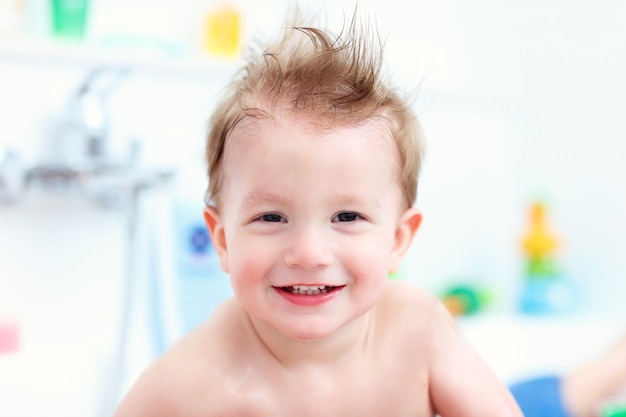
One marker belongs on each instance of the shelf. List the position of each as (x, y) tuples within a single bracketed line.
[(150, 59)]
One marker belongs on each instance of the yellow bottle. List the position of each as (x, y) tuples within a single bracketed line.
[(223, 31)]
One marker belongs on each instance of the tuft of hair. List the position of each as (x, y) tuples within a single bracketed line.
[(336, 79)]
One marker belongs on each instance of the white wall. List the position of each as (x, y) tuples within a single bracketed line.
[(528, 104)]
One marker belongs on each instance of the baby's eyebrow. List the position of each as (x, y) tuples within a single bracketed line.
[(262, 196), (257, 197), (354, 198)]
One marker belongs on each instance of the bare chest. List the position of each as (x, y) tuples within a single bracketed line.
[(395, 391)]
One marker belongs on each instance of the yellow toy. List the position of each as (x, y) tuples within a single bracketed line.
[(539, 244)]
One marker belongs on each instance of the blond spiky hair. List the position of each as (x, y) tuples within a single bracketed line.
[(337, 80)]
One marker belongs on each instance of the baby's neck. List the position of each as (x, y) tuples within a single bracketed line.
[(345, 344)]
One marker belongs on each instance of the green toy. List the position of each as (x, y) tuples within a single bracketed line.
[(614, 410), (465, 299)]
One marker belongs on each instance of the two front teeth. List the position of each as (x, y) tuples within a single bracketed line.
[(309, 289)]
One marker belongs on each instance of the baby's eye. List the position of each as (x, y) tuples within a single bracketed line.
[(346, 216), (272, 218)]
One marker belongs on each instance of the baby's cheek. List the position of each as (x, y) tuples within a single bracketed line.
[(244, 271), (249, 265), (368, 262)]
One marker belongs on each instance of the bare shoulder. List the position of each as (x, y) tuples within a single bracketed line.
[(404, 300), (460, 384), (415, 321), (402, 290), (191, 370)]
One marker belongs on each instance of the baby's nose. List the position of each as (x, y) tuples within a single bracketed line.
[(308, 248)]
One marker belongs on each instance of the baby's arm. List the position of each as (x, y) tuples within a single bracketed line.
[(461, 384), (150, 395), (586, 389), (176, 384)]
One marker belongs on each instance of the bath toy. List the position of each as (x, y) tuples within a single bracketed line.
[(539, 244), (464, 299), (545, 288)]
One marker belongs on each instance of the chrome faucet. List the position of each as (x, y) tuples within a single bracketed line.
[(77, 153), (82, 137)]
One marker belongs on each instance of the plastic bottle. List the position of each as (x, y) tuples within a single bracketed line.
[(223, 27)]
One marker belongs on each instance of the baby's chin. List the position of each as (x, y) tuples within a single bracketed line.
[(324, 329), (309, 332)]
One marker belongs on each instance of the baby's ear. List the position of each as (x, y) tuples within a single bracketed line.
[(218, 237), (407, 227)]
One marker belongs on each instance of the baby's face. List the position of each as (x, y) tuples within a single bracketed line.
[(309, 220)]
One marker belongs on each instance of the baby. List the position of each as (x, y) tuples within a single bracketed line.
[(313, 162)]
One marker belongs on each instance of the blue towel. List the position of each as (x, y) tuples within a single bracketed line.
[(540, 397)]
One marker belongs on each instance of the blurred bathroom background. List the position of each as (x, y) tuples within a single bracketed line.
[(104, 258)]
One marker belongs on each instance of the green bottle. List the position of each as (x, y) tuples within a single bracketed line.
[(69, 18)]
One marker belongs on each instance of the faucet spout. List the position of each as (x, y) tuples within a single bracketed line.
[(86, 122)]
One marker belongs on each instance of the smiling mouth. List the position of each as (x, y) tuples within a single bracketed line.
[(309, 289)]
